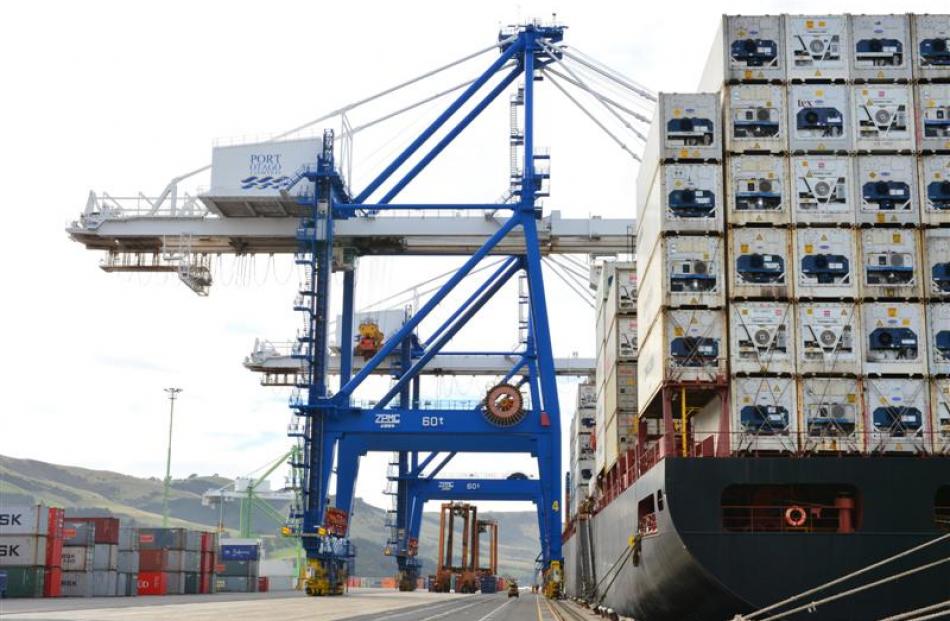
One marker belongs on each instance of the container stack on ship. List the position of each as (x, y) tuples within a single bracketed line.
[(793, 408)]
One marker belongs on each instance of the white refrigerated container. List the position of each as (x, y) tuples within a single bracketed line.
[(895, 339), (683, 198), (940, 406), (829, 338), (883, 117), (764, 414), (826, 263), (759, 263), (886, 189), (832, 415), (933, 117), (746, 48), (816, 47), (819, 118), (935, 190), (938, 338), (755, 118), (897, 415), (891, 263), (881, 47), (683, 271), (762, 337), (822, 190), (757, 190), (931, 46), (936, 264)]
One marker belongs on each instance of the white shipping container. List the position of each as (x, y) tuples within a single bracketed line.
[(76, 584), (940, 402), (104, 583), (938, 335), (760, 263), (883, 117), (764, 414), (825, 260), (832, 413), (247, 179), (680, 346), (819, 118), (600, 453), (619, 393), (891, 263), (22, 550), (822, 190), (586, 396), (78, 558), (755, 118), (895, 340), (683, 271), (886, 189), (931, 46), (622, 290), (897, 412), (933, 117), (829, 338), (816, 47), (746, 48), (757, 190), (881, 47), (24, 519), (621, 343), (683, 198), (936, 268), (762, 337), (935, 189)]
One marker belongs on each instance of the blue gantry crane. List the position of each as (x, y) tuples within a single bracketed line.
[(506, 421)]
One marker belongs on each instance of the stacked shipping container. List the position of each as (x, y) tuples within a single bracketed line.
[(582, 446), (31, 548), (169, 561), (237, 567)]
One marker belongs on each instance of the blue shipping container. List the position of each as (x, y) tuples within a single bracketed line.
[(239, 553)]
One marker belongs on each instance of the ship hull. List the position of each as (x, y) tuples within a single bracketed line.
[(691, 568)]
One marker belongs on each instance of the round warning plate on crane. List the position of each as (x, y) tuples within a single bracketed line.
[(504, 405)]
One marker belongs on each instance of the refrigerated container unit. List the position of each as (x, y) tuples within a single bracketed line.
[(762, 338), (883, 117), (933, 118), (895, 341), (881, 48), (622, 285), (897, 414), (822, 190), (621, 344), (747, 48), (759, 263), (684, 198), (619, 392), (940, 404), (931, 56), (935, 190), (757, 190), (686, 345), (819, 118), (825, 263), (755, 118), (936, 264), (891, 264), (817, 48), (886, 190), (829, 338), (938, 338), (764, 414), (832, 415), (682, 271)]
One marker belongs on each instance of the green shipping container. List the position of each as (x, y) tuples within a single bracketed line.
[(192, 582), (24, 581)]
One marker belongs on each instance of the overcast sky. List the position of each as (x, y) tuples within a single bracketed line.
[(121, 96)]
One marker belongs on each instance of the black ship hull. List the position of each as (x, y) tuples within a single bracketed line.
[(695, 567)]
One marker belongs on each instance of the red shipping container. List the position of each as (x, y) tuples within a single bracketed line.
[(218, 568), (153, 583), (55, 528), (153, 560), (52, 582), (207, 542), (263, 583), (54, 542), (107, 528), (204, 584), (207, 562)]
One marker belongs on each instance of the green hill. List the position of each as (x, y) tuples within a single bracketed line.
[(138, 500)]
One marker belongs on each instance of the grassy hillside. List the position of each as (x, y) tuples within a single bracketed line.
[(25, 481)]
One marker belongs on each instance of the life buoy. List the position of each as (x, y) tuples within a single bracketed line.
[(795, 516)]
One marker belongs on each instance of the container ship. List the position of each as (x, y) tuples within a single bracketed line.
[(771, 406)]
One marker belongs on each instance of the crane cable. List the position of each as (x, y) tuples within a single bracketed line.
[(864, 570), (570, 285), (607, 99), (607, 72), (593, 118)]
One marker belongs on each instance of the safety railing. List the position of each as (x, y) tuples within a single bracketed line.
[(647, 524), (781, 518)]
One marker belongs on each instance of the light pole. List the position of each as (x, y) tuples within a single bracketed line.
[(172, 395)]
